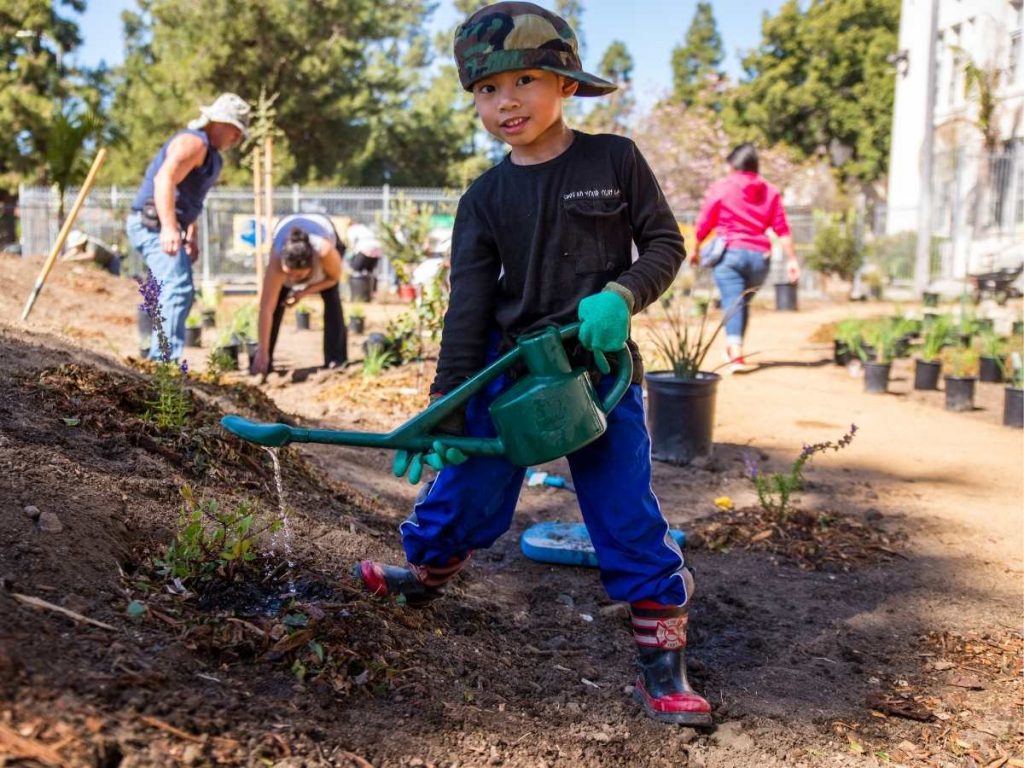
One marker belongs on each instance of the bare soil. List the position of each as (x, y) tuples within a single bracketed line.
[(880, 626)]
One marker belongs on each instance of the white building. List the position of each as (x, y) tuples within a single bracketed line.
[(977, 192)]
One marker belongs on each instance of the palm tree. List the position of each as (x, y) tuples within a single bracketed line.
[(68, 140)]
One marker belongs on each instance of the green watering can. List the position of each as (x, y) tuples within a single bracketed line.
[(551, 411)]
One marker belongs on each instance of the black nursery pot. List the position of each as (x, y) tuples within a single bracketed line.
[(194, 336), (357, 324), (1013, 407), (841, 353), (926, 374), (230, 354), (989, 370), (209, 318), (930, 299), (302, 321), (960, 393), (876, 377), (681, 415), (251, 348), (360, 287), (785, 297)]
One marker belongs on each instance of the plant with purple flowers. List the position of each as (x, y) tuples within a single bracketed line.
[(172, 404), (775, 489)]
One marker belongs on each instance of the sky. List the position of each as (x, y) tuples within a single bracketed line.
[(649, 28)]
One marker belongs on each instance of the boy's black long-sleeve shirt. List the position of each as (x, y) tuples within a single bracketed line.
[(531, 241)]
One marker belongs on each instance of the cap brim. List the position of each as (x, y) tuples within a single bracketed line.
[(590, 85)]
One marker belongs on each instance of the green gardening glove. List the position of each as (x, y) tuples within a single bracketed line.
[(439, 455), (604, 325)]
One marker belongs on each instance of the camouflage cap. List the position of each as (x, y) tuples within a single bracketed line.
[(517, 35)]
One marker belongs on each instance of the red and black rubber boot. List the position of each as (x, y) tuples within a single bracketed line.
[(662, 688), (417, 584)]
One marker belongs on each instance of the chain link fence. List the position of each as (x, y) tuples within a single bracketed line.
[(226, 225)]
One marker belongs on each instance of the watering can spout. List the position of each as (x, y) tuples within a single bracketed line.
[(270, 435)]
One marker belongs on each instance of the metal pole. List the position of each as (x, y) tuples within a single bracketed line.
[(268, 195), (257, 219), (922, 256), (206, 244), (295, 198), (83, 193)]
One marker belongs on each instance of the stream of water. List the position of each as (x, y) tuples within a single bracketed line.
[(285, 533)]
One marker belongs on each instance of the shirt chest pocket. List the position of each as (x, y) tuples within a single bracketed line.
[(597, 235)]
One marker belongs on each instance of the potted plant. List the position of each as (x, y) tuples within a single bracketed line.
[(928, 365), (847, 340), (960, 382), (681, 400), (244, 327), (1013, 397), (873, 280), (356, 320), (225, 352), (193, 330), (1018, 328), (883, 336), (302, 315), (931, 299), (405, 236), (992, 351), (209, 317)]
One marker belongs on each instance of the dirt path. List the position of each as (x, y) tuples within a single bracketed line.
[(908, 659)]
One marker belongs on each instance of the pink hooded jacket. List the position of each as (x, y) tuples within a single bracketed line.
[(742, 207)]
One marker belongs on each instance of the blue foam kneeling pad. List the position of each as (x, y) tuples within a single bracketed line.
[(567, 543)]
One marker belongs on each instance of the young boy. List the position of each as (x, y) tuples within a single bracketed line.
[(542, 238)]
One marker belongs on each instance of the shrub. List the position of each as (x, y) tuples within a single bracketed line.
[(837, 249)]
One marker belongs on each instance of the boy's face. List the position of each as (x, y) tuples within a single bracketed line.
[(522, 107)]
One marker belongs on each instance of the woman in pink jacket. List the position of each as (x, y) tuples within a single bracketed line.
[(742, 207)]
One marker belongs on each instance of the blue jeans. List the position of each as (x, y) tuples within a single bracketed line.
[(468, 506), (176, 292), (738, 271)]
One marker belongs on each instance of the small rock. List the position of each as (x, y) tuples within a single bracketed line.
[(49, 523), (192, 755), (615, 610), (873, 514), (32, 512)]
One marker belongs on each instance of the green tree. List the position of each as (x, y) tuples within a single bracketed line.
[(349, 75), (34, 41), (611, 113), (696, 65), (819, 81)]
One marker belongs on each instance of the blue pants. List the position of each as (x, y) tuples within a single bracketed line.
[(468, 506), (176, 292), (738, 271)]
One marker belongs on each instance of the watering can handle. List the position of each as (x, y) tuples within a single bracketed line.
[(624, 376)]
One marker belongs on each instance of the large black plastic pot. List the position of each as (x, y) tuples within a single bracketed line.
[(1013, 407), (145, 326), (356, 324), (209, 318), (360, 287), (194, 336), (931, 299), (989, 370), (302, 321), (785, 297), (876, 377), (681, 415), (960, 392), (251, 350), (926, 374)]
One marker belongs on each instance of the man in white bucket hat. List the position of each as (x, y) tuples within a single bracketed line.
[(162, 225)]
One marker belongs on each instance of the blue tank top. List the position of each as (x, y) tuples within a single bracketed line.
[(191, 192)]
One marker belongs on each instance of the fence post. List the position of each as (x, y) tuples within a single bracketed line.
[(206, 244), (386, 202), (295, 198)]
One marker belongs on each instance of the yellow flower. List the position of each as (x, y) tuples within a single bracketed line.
[(724, 503)]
